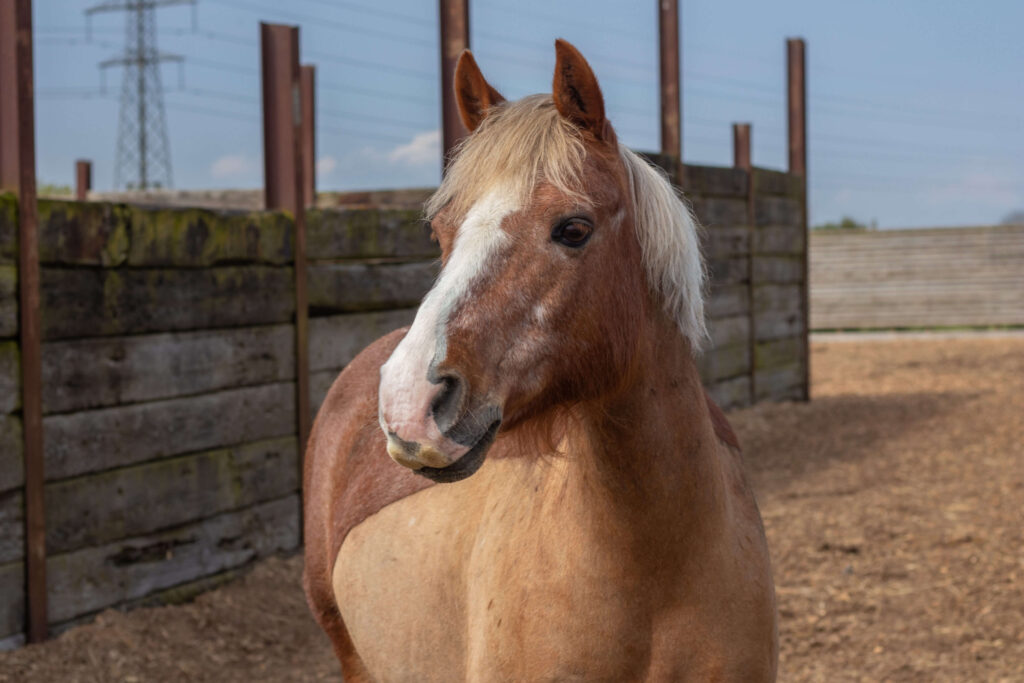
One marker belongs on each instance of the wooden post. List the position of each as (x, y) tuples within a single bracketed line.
[(454, 22), (308, 94), (83, 179), (796, 86), (669, 91), (741, 158), (18, 172), (283, 165)]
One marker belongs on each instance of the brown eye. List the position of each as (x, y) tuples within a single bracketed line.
[(572, 233)]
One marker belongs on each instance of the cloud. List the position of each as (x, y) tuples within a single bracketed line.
[(232, 166), (424, 148), (326, 164)]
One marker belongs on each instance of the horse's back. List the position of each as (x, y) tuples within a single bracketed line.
[(348, 476)]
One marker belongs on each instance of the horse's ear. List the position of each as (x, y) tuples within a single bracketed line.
[(576, 93), (474, 94)]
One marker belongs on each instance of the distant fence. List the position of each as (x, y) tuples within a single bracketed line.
[(168, 370), (917, 278)]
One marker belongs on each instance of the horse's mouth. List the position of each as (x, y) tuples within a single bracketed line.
[(467, 464)]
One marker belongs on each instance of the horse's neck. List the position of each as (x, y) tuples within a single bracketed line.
[(650, 454)]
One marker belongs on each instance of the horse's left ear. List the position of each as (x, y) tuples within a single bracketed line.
[(576, 92), (473, 93)]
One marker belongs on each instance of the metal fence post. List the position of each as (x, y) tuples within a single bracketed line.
[(18, 172), (796, 86), (83, 179), (454, 23), (307, 87), (283, 183), (741, 159), (670, 86)]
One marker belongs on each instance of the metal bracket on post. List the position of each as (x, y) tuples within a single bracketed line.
[(18, 172), (796, 87), (283, 165), (454, 23)]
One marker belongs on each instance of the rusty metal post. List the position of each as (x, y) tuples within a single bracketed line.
[(18, 172), (454, 22), (283, 184), (669, 91), (741, 146), (83, 179), (741, 159), (307, 87), (796, 86)]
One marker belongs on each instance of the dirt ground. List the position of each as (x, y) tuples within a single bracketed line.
[(894, 504)]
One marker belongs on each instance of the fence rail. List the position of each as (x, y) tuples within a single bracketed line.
[(945, 277)]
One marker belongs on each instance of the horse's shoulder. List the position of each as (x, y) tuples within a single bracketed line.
[(723, 430), (347, 453)]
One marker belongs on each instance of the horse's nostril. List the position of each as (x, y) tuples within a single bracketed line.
[(447, 405)]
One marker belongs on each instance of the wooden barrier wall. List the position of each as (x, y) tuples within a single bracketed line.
[(942, 277), (169, 371)]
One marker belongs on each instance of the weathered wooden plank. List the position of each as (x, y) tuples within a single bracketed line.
[(319, 384), (410, 198), (729, 331), (715, 181), (780, 239), (134, 501), (777, 324), (338, 287), (726, 242), (92, 373), (12, 466), (8, 301), (335, 340), (12, 526), (201, 237), (10, 377), (713, 212), (778, 269), (731, 393), (12, 604), (368, 233), (82, 233), (777, 211), (8, 228), (776, 298), (85, 302), (727, 300), (12, 642), (87, 580), (728, 271), (724, 362), (777, 353), (779, 384), (777, 182), (96, 440)]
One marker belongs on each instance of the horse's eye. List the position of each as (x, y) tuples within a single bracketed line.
[(572, 233)]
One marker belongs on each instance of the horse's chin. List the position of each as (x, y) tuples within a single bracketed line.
[(467, 464)]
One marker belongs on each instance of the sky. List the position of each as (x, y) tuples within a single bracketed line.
[(915, 107)]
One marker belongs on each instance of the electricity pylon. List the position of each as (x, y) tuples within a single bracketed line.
[(143, 157)]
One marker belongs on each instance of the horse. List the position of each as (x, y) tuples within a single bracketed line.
[(562, 498)]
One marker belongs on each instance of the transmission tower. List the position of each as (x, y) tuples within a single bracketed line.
[(143, 157)]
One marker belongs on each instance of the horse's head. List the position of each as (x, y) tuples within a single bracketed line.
[(556, 245)]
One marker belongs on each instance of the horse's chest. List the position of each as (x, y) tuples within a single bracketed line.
[(451, 580)]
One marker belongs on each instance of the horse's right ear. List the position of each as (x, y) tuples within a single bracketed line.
[(474, 94)]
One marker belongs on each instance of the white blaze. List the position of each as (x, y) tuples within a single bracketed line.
[(405, 391)]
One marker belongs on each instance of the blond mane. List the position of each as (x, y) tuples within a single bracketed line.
[(520, 143)]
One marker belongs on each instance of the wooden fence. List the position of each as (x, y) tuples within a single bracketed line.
[(917, 278), (168, 370)]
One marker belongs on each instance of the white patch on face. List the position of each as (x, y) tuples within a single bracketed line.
[(477, 241)]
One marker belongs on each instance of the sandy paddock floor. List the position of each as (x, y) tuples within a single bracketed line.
[(894, 504)]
